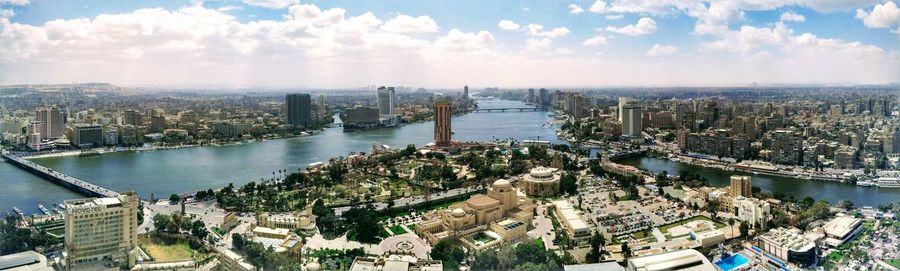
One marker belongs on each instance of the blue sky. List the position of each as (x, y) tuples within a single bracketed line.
[(267, 43)]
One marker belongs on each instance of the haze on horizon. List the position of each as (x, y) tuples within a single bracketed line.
[(328, 44)]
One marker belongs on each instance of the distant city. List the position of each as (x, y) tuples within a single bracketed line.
[(800, 178)]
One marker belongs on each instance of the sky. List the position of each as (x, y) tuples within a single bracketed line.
[(448, 44)]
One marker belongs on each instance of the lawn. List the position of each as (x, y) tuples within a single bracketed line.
[(397, 230), (893, 262), (411, 227), (162, 252)]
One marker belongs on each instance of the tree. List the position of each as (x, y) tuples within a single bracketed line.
[(597, 242), (174, 198), (486, 260), (161, 222), (626, 250), (450, 252), (744, 229), (237, 241), (198, 229), (568, 184)]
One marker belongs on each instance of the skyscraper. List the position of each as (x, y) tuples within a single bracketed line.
[(622, 102), (442, 123), (52, 122), (530, 96), (544, 98), (297, 107), (466, 92), (740, 186), (132, 117), (387, 100), (631, 119)]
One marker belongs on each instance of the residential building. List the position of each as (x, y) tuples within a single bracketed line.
[(298, 110), (740, 186), (442, 116)]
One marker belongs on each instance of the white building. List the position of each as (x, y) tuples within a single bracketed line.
[(687, 260), (841, 229), (568, 217), (754, 211), (790, 245), (631, 120), (394, 262)]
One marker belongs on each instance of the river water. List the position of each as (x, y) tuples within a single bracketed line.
[(799, 188), (190, 169)]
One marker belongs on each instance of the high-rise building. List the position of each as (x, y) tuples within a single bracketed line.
[(321, 107), (622, 102), (387, 100), (297, 108), (33, 130), (87, 136), (544, 98), (740, 186), (132, 117), (442, 117), (98, 229), (531, 96), (51, 122), (631, 120), (466, 92), (157, 123)]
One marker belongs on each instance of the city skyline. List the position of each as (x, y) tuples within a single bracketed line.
[(315, 44)]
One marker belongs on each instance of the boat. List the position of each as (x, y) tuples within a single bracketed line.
[(89, 153), (888, 182), (61, 206), (18, 211), (57, 210), (865, 183), (43, 209)]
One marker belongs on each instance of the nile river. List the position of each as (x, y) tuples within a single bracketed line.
[(190, 169), (799, 188)]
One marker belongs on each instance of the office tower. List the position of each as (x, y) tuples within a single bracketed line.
[(740, 186), (132, 117), (387, 100), (622, 102), (87, 136), (99, 229), (530, 96), (297, 110), (442, 123), (544, 98), (34, 135), (157, 123), (465, 92), (631, 119), (321, 107), (52, 122)]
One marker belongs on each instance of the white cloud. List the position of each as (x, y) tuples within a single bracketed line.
[(538, 44), (229, 8), (458, 41), (643, 26), (661, 50), (564, 51), (537, 30), (598, 7), (575, 9), (7, 13), (272, 4), (595, 41), (614, 16), (790, 16), (882, 16), (508, 25), (409, 24), (14, 2)]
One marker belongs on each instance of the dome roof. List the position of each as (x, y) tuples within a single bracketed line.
[(502, 183), (313, 266), (458, 212)]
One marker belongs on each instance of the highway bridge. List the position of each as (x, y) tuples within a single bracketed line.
[(72, 183), (511, 109)]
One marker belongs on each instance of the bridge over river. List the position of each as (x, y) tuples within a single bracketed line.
[(72, 183)]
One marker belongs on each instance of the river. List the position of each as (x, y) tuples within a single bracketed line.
[(799, 188), (190, 169)]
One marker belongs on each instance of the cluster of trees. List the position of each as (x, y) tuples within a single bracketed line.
[(14, 239), (441, 174), (178, 223), (597, 242), (259, 197), (359, 222), (263, 257), (691, 179), (526, 256), (568, 184), (204, 195), (450, 253)]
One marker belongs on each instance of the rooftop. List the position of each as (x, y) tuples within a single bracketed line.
[(681, 260)]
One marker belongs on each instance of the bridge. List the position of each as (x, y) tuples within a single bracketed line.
[(72, 183), (512, 109)]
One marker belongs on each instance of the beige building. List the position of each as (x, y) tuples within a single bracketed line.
[(740, 186), (388, 262), (541, 181), (230, 261), (752, 210), (477, 213), (101, 229), (303, 220), (569, 219), (686, 260)]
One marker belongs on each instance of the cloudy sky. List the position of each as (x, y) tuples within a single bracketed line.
[(335, 44)]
